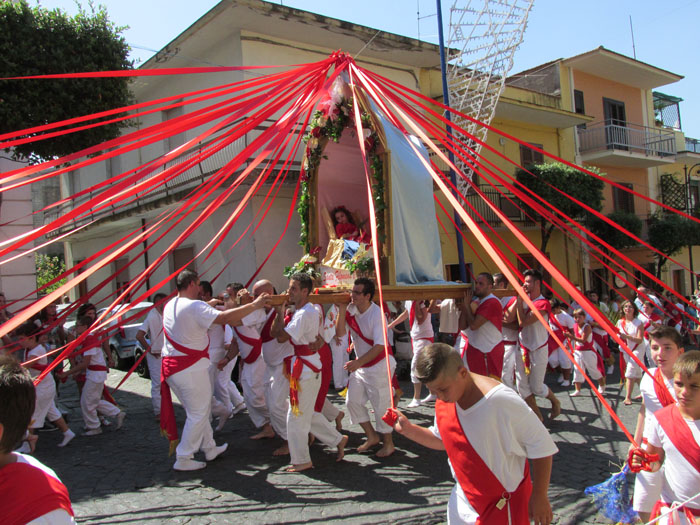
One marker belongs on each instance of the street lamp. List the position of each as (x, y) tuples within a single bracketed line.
[(688, 172)]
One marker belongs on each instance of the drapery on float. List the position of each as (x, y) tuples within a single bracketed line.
[(388, 133)]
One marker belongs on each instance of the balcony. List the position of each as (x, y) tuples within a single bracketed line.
[(628, 145), (692, 145), (510, 209)]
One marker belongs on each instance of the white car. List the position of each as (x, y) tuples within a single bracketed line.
[(123, 345)]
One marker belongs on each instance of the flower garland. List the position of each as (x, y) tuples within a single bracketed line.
[(334, 115)]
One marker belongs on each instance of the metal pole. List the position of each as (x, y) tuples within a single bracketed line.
[(453, 177)]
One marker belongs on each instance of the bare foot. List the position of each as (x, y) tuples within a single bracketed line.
[(369, 443), (265, 433), (627, 401), (556, 409), (385, 451), (339, 421), (341, 448), (301, 467), (282, 451), (31, 441)]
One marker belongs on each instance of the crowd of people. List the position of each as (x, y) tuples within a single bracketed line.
[(485, 377)]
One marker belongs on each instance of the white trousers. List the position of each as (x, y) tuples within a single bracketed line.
[(647, 489), (330, 411), (370, 384), (253, 379), (277, 399), (633, 370), (589, 362), (45, 407), (418, 345), (308, 422), (532, 383), (193, 389), (91, 403), (509, 356), (559, 358), (153, 363), (340, 357), (221, 402), (224, 378)]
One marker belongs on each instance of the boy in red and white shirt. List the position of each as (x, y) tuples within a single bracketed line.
[(93, 363), (585, 354), (489, 435), (657, 392), (674, 435), (30, 491)]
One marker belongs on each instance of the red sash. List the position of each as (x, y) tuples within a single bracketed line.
[(661, 390), (28, 493), (97, 368), (171, 365), (352, 323), (661, 506), (293, 374), (265, 335), (489, 364), (680, 435), (478, 482), (326, 373), (251, 341)]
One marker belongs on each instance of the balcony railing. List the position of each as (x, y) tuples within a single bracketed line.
[(511, 209), (188, 179), (602, 136), (692, 145)]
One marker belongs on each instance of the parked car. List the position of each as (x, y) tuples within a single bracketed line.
[(69, 321), (123, 345)]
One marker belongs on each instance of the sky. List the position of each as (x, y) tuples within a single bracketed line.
[(664, 32)]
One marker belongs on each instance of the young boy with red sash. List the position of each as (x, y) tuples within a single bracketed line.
[(534, 349), (585, 354), (254, 370), (93, 363), (186, 321), (561, 323), (484, 349), (491, 437), (369, 381), (674, 436), (419, 320), (657, 391), (28, 489), (304, 372)]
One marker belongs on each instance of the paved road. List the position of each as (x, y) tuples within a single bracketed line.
[(125, 476)]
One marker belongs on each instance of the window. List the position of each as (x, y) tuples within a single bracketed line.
[(121, 274), (452, 271), (623, 200), (694, 196), (528, 157), (578, 102), (182, 258), (176, 140)]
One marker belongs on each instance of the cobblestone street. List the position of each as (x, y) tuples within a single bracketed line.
[(125, 476)]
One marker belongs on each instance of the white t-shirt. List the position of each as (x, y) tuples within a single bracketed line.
[(651, 402), (564, 320), (509, 334), (56, 516), (217, 341), (97, 358), (47, 384), (681, 480), (152, 326), (370, 323), (303, 329), (252, 324), (187, 322), (487, 336), (423, 330), (535, 335), (449, 316), (631, 328), (274, 352), (504, 431)]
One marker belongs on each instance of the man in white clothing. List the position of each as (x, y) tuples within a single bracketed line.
[(509, 330), (152, 327), (185, 367), (369, 381), (304, 368), (531, 368)]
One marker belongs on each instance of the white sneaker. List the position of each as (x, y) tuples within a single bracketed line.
[(566, 383), (120, 419), (611, 369), (414, 403), (429, 399), (105, 422), (68, 435), (575, 393), (185, 464), (215, 452), (560, 379), (601, 389), (239, 408), (93, 432), (25, 448)]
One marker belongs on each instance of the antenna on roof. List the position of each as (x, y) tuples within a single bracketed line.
[(634, 50)]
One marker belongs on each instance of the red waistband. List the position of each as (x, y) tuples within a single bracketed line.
[(97, 368)]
